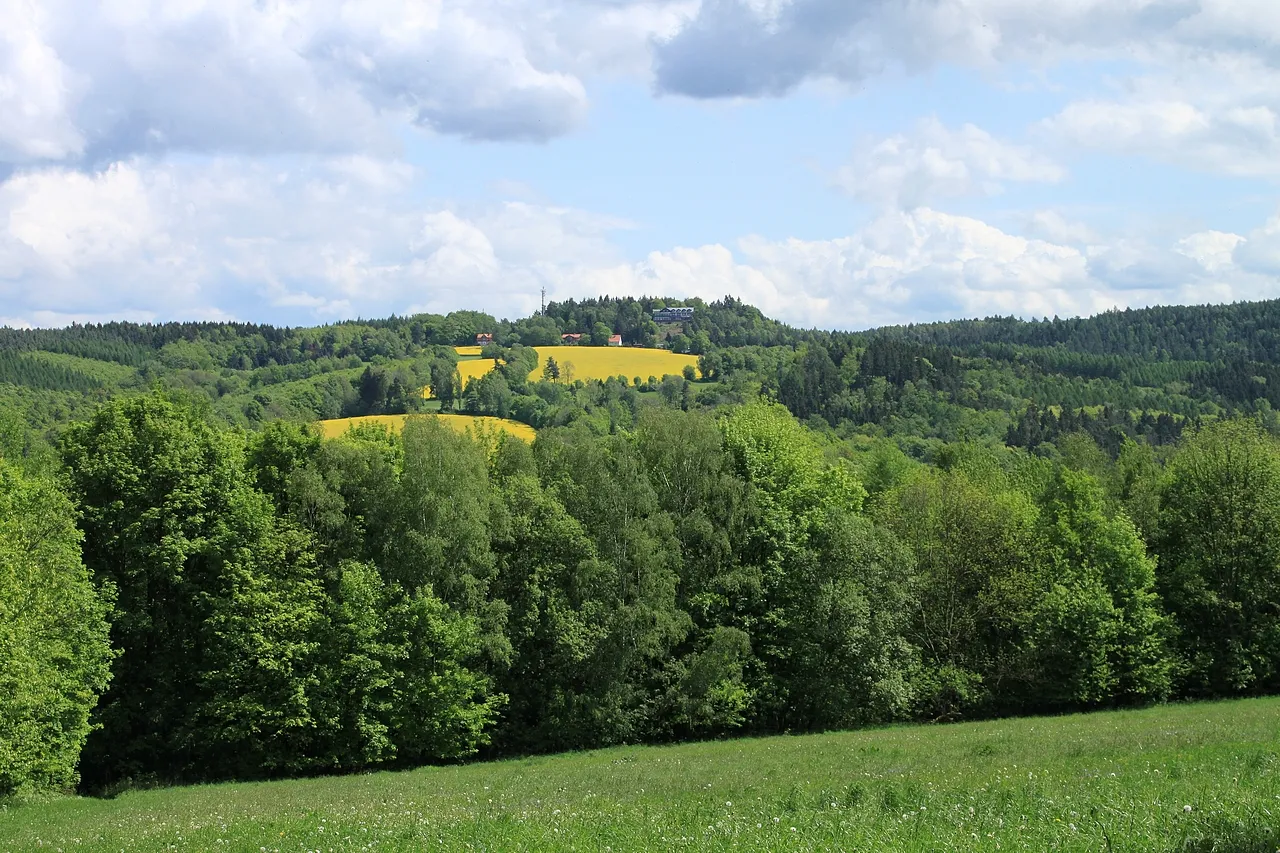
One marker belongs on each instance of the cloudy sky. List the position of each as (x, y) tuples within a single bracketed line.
[(838, 163)]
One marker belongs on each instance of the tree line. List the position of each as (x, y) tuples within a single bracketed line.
[(181, 601)]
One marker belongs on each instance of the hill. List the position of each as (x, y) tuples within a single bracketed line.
[(1183, 778), (1139, 373)]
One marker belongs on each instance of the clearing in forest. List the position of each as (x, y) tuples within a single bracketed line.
[(1193, 777), (461, 423), (579, 362)]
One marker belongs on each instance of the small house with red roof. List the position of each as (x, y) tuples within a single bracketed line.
[(483, 339), (615, 340)]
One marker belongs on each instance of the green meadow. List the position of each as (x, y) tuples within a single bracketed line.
[(1187, 777)]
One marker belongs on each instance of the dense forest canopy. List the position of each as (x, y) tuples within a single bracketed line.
[(815, 530)]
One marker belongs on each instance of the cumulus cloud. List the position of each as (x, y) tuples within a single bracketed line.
[(911, 266), (103, 81), (34, 83), (1213, 250), (322, 239), (927, 264), (1052, 226), (754, 48), (330, 238), (1205, 93), (1259, 252), (1217, 114), (934, 162), (709, 271)]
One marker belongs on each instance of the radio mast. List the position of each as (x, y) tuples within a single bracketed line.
[(544, 301)]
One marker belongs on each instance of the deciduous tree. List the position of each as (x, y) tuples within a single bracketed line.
[(54, 651)]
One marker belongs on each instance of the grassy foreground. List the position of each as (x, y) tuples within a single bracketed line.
[(1203, 777)]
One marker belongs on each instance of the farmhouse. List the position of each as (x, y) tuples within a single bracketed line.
[(570, 338), (615, 340), (482, 339), (672, 315)]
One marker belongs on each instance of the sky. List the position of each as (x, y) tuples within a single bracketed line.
[(837, 163)]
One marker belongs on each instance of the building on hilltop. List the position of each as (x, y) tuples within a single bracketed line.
[(483, 339), (615, 340), (672, 315)]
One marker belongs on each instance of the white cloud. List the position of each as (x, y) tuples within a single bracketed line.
[(1214, 113), (1052, 226), (328, 239), (57, 319), (926, 265), (710, 272), (320, 240), (1260, 251), (33, 88), (613, 38), (79, 222), (1213, 250), (104, 81), (729, 48), (935, 162), (1202, 91)]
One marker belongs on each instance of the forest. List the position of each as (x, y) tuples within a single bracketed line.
[(827, 530)]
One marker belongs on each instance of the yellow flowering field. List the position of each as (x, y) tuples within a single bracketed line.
[(461, 423), (584, 363)]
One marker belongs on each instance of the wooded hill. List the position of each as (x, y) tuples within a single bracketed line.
[(1138, 373)]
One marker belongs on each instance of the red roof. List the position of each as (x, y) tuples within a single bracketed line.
[(615, 339), (571, 337)]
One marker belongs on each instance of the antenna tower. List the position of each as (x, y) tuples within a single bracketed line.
[(544, 301)]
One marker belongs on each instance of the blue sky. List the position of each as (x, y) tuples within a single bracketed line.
[(837, 164)]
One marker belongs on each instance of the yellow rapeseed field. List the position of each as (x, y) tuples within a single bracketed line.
[(579, 362), (461, 423), (467, 350)]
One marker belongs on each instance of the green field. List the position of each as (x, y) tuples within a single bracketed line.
[(1196, 777)]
